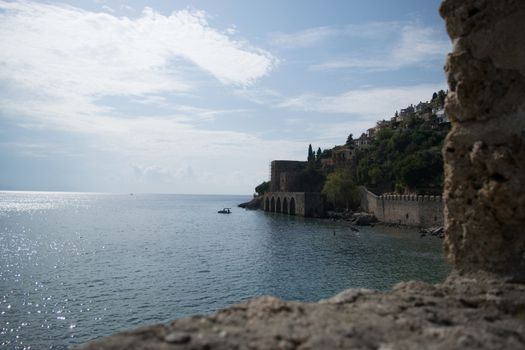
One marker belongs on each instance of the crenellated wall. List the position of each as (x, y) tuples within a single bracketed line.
[(408, 210)]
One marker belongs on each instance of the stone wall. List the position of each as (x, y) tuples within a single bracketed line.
[(425, 211), (485, 150), (287, 167), (307, 204)]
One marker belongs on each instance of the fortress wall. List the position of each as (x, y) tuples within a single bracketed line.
[(368, 200), (408, 210), (398, 210), (314, 204), (283, 166), (307, 204), (431, 212)]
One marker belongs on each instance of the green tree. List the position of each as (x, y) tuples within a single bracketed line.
[(319, 154), (311, 154), (441, 97), (350, 140), (262, 188), (341, 190)]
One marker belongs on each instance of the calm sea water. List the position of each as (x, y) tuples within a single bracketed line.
[(77, 266)]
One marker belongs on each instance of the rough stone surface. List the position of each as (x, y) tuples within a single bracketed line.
[(482, 305), (255, 203), (485, 151), (410, 210), (461, 313)]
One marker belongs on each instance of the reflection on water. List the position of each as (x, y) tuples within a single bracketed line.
[(78, 266)]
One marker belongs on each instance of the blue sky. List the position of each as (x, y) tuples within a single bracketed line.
[(199, 96)]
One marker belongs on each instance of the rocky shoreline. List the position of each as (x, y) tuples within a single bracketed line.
[(462, 313)]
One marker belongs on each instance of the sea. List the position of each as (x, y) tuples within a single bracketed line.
[(78, 266)]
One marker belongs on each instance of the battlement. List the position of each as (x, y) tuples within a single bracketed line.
[(412, 210), (412, 198)]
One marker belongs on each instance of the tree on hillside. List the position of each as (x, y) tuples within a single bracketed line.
[(319, 154), (350, 140), (341, 190), (262, 188), (441, 95), (311, 154)]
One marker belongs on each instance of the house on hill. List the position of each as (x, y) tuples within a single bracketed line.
[(363, 141)]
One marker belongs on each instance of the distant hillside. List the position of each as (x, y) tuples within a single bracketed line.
[(402, 155)]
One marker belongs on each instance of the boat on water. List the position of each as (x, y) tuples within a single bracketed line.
[(225, 211)]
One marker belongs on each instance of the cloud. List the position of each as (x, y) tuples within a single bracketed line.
[(153, 173), (416, 45), (317, 36), (305, 38), (63, 68), (372, 103), (37, 150), (107, 8), (58, 49)]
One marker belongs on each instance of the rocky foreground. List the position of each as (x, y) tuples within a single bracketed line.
[(462, 313)]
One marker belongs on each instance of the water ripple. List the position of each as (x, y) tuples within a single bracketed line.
[(79, 266)]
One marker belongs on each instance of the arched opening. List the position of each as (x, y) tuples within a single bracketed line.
[(292, 206), (285, 206), (278, 206), (267, 204), (272, 205)]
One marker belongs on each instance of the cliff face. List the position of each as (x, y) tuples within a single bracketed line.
[(485, 151), (477, 307)]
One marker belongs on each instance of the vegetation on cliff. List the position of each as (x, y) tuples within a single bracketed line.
[(340, 189), (400, 155), (404, 159)]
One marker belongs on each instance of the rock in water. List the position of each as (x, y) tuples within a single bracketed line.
[(255, 203)]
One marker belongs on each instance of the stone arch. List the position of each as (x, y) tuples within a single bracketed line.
[(272, 205), (278, 207), (292, 206), (267, 204), (285, 205)]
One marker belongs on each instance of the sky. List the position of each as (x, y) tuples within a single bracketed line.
[(200, 96)]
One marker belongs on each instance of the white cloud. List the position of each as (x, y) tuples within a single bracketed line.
[(36, 149), (107, 8), (127, 8), (318, 36), (416, 45), (304, 38), (59, 49), (373, 103), (60, 66)]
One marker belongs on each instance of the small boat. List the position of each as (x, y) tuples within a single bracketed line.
[(225, 211)]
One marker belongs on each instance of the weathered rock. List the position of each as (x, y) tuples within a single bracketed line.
[(485, 151), (255, 203), (461, 313), (363, 219)]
